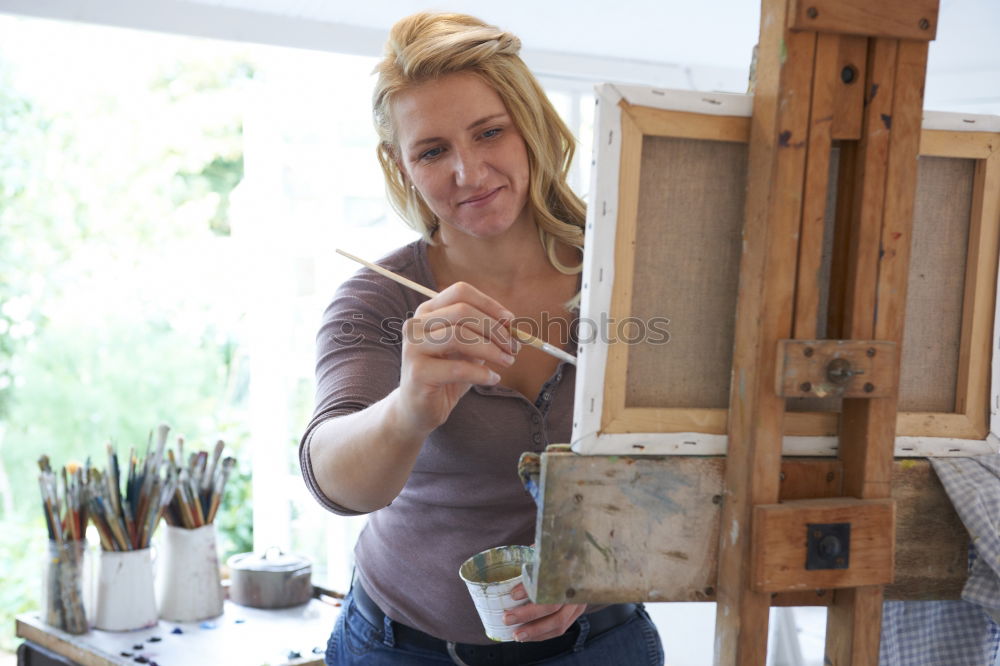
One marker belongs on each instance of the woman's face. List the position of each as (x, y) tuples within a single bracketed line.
[(461, 150)]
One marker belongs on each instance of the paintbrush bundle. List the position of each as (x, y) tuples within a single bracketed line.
[(126, 519), (201, 484), (65, 509)]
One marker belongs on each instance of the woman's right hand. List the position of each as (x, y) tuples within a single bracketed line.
[(453, 340)]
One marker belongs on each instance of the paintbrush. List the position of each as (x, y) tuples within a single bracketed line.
[(208, 481), (526, 338), (112, 480), (220, 486)]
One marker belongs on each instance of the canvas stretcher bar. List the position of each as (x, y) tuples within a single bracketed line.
[(604, 423)]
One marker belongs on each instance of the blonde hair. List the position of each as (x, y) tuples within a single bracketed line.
[(426, 46)]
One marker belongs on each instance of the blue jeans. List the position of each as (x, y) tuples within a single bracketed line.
[(356, 641)]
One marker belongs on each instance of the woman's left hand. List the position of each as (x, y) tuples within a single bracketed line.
[(540, 622)]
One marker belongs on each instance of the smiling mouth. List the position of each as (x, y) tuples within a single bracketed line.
[(481, 198)]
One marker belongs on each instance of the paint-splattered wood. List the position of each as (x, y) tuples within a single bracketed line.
[(869, 194), (764, 314), (898, 19), (647, 528), (889, 149), (847, 103), (850, 637), (615, 529)]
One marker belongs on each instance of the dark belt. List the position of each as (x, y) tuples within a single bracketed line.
[(498, 653)]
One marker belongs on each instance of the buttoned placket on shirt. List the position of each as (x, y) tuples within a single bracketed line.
[(538, 409)]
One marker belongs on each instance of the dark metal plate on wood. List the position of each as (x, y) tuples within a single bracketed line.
[(828, 546)]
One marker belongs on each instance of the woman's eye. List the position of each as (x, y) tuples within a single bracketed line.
[(490, 133), (430, 154)]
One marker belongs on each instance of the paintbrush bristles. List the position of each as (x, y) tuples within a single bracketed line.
[(126, 517), (200, 486), (64, 500)]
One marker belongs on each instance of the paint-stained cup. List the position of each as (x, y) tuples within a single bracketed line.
[(491, 576), (187, 578), (65, 598), (125, 598)]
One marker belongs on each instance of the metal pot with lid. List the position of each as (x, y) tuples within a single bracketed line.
[(274, 579)]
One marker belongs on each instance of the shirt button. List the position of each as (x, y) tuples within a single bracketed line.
[(545, 396), (535, 418), (536, 438)]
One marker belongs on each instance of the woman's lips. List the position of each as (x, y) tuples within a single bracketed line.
[(482, 199)]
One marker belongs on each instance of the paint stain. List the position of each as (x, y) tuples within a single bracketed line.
[(677, 555), (603, 550), (655, 497), (908, 464), (784, 138), (873, 92), (177, 630), (207, 625), (896, 235), (887, 121)]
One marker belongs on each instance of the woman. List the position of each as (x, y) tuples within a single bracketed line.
[(421, 424)]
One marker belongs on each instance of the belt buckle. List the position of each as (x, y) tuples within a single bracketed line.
[(454, 654)]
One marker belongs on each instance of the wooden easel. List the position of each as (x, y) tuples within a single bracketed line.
[(807, 51), (624, 528)]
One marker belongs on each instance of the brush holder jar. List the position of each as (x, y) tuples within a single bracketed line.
[(187, 585), (125, 597)]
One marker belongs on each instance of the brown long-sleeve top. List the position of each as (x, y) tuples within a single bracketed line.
[(463, 495)]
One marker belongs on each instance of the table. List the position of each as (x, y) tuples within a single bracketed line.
[(241, 636)]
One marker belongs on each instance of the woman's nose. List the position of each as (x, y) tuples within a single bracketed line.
[(470, 169)]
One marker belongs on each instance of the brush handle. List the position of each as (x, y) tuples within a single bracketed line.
[(526, 338)]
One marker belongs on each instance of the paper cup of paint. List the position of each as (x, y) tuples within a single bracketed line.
[(125, 597), (188, 588), (491, 576)]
